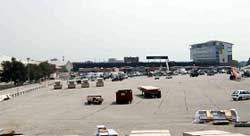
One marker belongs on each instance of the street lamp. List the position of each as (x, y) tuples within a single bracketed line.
[(28, 60)]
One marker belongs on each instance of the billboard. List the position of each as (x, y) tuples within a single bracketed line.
[(157, 57)]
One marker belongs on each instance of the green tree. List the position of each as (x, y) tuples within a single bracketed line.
[(35, 72), (47, 69), (14, 71), (235, 63), (248, 62)]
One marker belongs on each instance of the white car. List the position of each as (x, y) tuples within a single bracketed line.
[(103, 131), (241, 95)]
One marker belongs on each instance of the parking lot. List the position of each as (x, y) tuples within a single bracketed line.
[(63, 112)]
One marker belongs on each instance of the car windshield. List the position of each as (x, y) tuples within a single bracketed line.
[(235, 92)]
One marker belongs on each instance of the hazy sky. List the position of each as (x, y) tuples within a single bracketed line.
[(88, 29)]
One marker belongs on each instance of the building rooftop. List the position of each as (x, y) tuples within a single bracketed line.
[(211, 41)]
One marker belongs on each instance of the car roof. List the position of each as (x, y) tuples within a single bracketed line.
[(241, 90)]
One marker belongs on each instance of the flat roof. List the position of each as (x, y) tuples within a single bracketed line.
[(210, 42)]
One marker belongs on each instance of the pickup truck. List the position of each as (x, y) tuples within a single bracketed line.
[(94, 99)]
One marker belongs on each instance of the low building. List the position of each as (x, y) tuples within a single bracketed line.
[(114, 60), (60, 64), (131, 59), (217, 52)]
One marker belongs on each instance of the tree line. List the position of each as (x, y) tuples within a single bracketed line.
[(15, 71)]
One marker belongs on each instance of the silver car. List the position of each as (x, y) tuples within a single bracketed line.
[(240, 95)]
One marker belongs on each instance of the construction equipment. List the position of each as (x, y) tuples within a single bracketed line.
[(99, 82), (124, 96), (150, 91), (218, 117), (103, 131), (94, 99), (58, 85), (71, 84), (234, 74), (85, 83), (150, 133)]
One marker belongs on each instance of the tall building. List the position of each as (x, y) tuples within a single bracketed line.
[(218, 52)]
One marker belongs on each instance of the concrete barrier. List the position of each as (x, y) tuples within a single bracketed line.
[(18, 92)]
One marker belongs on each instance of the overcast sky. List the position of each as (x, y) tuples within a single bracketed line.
[(101, 29)]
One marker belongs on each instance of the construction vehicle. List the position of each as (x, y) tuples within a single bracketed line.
[(124, 96), (150, 91), (85, 83), (71, 84), (94, 99), (218, 117), (99, 82), (58, 85), (150, 133), (103, 131), (234, 74)]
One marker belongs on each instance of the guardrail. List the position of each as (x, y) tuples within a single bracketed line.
[(23, 91)]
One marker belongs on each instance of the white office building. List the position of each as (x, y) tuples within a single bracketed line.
[(212, 52)]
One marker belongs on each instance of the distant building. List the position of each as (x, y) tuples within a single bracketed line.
[(114, 60), (212, 52), (131, 59), (60, 64)]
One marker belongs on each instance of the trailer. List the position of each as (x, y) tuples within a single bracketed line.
[(124, 96), (58, 85), (150, 91), (94, 99)]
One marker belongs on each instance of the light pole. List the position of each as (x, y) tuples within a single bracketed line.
[(28, 60)]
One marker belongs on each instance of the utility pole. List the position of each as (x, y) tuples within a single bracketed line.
[(28, 60)]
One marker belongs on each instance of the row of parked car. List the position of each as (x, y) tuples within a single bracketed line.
[(84, 84)]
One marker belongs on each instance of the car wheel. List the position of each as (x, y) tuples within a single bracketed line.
[(240, 98)]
